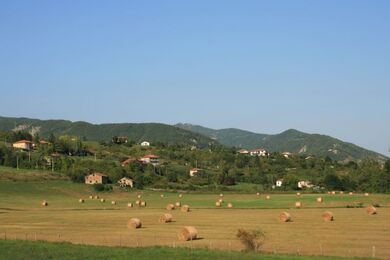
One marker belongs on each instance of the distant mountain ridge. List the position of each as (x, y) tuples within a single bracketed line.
[(291, 140), (152, 132)]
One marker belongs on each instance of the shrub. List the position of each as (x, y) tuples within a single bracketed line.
[(252, 240), (102, 187)]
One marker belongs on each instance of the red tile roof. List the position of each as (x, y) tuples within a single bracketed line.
[(151, 156), (23, 142)]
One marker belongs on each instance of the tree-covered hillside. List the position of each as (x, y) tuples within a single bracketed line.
[(152, 132), (288, 141)]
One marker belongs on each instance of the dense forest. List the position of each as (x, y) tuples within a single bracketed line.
[(223, 167)]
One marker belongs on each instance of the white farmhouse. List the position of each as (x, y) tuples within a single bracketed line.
[(145, 143), (304, 184), (279, 183)]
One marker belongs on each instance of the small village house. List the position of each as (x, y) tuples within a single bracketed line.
[(23, 144), (304, 184), (195, 171), (96, 178), (150, 158), (126, 182), (279, 183), (243, 151), (127, 161), (258, 152), (145, 144)]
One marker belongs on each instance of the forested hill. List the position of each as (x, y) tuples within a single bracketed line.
[(152, 132), (288, 141)]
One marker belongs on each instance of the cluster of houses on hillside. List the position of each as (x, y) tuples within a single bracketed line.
[(300, 184), (146, 159), (261, 152)]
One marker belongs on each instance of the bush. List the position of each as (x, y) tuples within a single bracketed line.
[(252, 240), (102, 187)]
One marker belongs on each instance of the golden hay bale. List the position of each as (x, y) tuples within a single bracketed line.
[(91, 197), (258, 194), (230, 205), (320, 200), (329, 193), (180, 195), (333, 192), (187, 233), (178, 204), (134, 223), (366, 194), (164, 218), (113, 202), (351, 193), (327, 216), (142, 204), (221, 195), (139, 196), (129, 205), (268, 197), (44, 203), (285, 217), (298, 194), (81, 200), (138, 202), (298, 204), (162, 196), (96, 197), (185, 208), (220, 200), (341, 192), (218, 204), (170, 207), (102, 200), (371, 210)]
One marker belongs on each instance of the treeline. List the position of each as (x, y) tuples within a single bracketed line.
[(221, 166)]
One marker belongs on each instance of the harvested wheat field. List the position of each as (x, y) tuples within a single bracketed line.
[(352, 233)]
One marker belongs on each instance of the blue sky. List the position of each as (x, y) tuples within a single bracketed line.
[(265, 66)]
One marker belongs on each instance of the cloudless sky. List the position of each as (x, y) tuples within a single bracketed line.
[(264, 66)]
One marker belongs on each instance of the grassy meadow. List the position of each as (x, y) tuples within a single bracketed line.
[(354, 233)]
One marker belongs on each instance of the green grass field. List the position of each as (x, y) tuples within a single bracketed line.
[(353, 233)]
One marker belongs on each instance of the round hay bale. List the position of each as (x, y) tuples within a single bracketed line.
[(230, 205), (328, 192), (91, 197), (185, 208), (180, 195), (129, 205), (102, 200), (298, 204), (258, 194), (220, 200), (285, 217), (320, 200), (298, 194), (371, 210), (333, 192), (218, 204), (187, 233), (113, 202), (142, 204), (96, 197), (164, 218), (351, 193), (139, 196), (81, 200), (366, 194), (170, 207), (327, 216), (341, 192), (134, 223), (138, 202), (221, 195), (162, 196), (178, 204), (44, 203), (268, 197)]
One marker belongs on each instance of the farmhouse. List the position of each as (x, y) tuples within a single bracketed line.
[(126, 182), (23, 144), (258, 152), (145, 143), (243, 151), (304, 184), (150, 158), (279, 183), (96, 178), (195, 171)]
